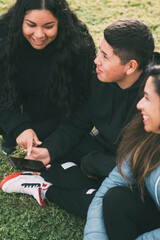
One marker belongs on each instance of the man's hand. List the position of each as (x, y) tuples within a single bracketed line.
[(26, 140), (40, 154)]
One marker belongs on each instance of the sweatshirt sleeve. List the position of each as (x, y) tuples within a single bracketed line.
[(153, 185), (12, 122), (95, 228), (153, 235), (69, 133)]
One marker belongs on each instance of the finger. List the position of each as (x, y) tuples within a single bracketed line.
[(29, 149), (48, 166), (21, 144), (36, 141), (36, 173), (30, 157), (34, 154)]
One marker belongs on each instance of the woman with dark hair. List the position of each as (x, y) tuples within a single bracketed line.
[(46, 62), (126, 207)]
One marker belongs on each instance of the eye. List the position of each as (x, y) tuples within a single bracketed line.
[(49, 27), (31, 25), (146, 97)]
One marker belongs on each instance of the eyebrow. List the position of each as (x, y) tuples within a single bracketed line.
[(35, 23), (104, 53)]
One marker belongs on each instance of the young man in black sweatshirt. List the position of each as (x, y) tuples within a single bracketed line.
[(79, 158), (123, 55)]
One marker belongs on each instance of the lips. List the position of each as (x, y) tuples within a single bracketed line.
[(38, 42), (145, 118), (98, 70)]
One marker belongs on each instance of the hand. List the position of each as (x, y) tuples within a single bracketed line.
[(40, 154), (26, 139)]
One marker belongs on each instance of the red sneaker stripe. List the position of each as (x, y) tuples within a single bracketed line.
[(11, 176), (43, 203), (44, 185)]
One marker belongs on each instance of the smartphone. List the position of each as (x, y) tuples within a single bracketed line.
[(27, 164)]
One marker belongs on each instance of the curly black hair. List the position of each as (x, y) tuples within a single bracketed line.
[(73, 41)]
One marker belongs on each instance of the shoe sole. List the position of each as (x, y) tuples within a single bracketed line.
[(5, 153), (9, 177)]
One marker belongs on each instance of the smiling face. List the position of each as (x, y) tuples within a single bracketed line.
[(40, 28), (149, 106), (109, 66)]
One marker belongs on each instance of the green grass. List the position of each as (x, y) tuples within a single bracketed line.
[(97, 14), (20, 215)]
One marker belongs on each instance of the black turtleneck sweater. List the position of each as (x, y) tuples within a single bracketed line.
[(109, 109), (39, 113)]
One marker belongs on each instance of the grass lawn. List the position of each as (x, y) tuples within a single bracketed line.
[(20, 215)]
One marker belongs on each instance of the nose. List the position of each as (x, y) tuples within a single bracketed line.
[(140, 104), (39, 33), (97, 60)]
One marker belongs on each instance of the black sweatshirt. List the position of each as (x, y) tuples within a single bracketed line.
[(109, 109), (39, 113)]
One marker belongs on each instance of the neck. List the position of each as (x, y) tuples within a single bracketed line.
[(130, 79)]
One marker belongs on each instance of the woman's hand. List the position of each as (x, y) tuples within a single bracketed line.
[(26, 140)]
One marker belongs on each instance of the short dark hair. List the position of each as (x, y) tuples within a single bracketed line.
[(131, 39)]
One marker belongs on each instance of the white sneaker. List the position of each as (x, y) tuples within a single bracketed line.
[(27, 183)]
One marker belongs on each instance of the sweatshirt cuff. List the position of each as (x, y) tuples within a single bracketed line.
[(21, 129), (54, 150)]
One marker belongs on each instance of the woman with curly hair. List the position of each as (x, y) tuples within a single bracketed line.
[(46, 62)]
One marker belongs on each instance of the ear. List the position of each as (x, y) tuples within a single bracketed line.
[(132, 66)]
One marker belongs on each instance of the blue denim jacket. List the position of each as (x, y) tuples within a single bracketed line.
[(94, 228)]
